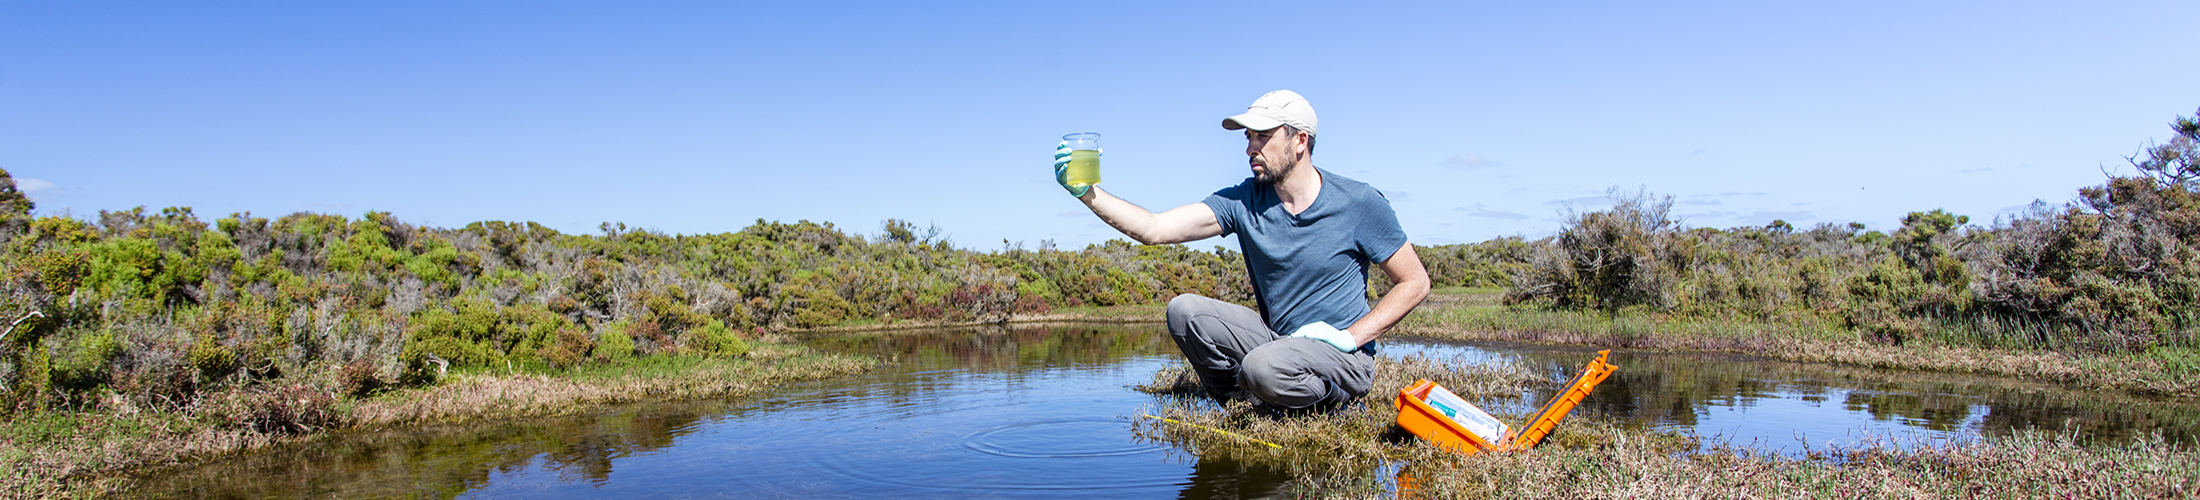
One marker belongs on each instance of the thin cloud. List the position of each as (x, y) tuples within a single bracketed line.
[(1485, 212), (1469, 162), (37, 190), (1398, 195), (1585, 201), (1699, 199), (1983, 169)]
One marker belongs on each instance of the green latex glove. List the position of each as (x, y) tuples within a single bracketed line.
[(1323, 332), (1061, 170)]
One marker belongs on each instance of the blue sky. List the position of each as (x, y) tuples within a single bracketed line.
[(1479, 119)]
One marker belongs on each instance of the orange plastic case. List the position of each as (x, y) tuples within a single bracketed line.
[(1416, 416)]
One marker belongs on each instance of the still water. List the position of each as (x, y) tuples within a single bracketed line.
[(1043, 412)]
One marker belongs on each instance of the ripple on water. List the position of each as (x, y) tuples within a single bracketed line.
[(1056, 439), (919, 441)]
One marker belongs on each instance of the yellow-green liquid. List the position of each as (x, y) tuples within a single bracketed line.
[(1084, 167)]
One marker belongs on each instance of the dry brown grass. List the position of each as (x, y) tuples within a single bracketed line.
[(85, 455), (476, 396), (1357, 453), (1628, 465)]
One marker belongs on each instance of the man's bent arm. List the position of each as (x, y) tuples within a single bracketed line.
[(1181, 224), (1411, 278)]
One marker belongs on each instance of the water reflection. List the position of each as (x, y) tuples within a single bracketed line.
[(441, 462), (1777, 404), (1041, 412), (1025, 412)]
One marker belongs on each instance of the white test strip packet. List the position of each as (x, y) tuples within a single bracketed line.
[(1466, 414)]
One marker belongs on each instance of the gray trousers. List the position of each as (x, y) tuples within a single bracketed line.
[(1231, 349)]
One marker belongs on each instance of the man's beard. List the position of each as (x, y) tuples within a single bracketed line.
[(1271, 173)]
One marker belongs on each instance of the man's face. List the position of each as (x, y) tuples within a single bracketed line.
[(1272, 153)]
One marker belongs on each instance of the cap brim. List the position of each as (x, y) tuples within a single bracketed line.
[(1251, 121)]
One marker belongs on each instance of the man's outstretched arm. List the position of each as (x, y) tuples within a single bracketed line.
[(1181, 224), (1412, 283)]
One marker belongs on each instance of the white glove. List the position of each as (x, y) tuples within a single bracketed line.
[(1323, 332)]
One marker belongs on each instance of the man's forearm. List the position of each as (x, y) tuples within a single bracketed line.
[(1124, 216), (1393, 307), (1404, 268), (1186, 223)]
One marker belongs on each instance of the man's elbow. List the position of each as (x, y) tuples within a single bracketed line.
[(1416, 287), (1142, 237), (1151, 237), (1422, 289)]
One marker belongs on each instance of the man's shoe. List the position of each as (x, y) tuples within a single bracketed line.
[(1224, 393), (1234, 394)]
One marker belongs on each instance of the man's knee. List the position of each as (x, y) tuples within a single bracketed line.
[(1181, 310), (1280, 376), (1184, 304)]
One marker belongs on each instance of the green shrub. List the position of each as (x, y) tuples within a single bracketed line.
[(613, 345), (58, 272), (821, 307), (82, 360), (714, 339), (211, 358), (125, 267), (434, 266)]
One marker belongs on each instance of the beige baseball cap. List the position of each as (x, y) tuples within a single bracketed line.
[(1282, 107)]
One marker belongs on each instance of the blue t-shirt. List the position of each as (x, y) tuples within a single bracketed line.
[(1311, 266)]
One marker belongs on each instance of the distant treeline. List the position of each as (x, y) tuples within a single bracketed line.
[(2117, 271)]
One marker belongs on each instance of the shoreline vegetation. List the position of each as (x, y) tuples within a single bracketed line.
[(139, 325), (1358, 453), (1478, 315), (94, 454)]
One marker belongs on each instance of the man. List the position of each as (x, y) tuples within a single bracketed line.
[(1308, 236)]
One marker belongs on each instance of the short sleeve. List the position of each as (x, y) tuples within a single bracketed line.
[(1379, 234), (1232, 205)]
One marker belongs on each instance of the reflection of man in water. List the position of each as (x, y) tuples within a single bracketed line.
[(1308, 236)]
